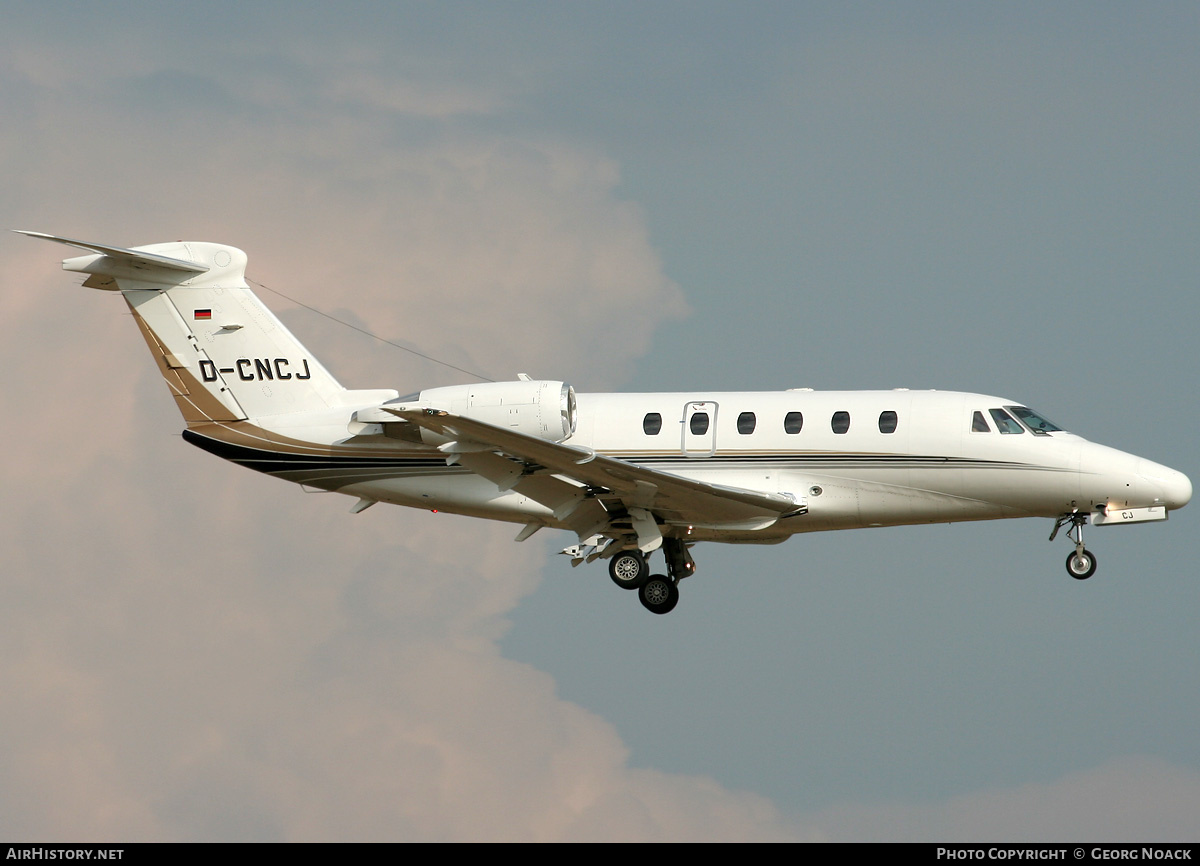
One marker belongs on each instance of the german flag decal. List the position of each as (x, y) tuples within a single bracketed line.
[(202, 314)]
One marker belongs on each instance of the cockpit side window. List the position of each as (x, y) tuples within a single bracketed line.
[(1035, 422), (1005, 423), (979, 424)]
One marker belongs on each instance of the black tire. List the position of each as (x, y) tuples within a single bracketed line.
[(659, 594), (1081, 566), (628, 569)]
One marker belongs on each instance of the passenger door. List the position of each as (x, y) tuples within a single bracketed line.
[(699, 429)]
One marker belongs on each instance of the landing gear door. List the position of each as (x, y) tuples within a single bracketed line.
[(699, 429)]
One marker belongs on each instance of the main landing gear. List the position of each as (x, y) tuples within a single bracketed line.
[(1081, 563), (628, 569), (658, 593)]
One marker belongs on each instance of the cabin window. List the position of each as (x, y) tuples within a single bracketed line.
[(841, 422), (979, 424), (887, 422), (652, 423), (1034, 421), (793, 422), (699, 423), (746, 422), (1005, 423)]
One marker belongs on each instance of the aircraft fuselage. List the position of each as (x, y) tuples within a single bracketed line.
[(930, 466), (628, 474)]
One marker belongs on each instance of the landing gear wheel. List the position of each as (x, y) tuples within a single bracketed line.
[(1081, 564), (659, 594), (628, 569)]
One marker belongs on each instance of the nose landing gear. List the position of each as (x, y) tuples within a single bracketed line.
[(1081, 563)]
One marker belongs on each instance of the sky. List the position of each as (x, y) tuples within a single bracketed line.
[(999, 198)]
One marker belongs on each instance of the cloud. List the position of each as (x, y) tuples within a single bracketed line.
[(195, 652), (498, 252), (192, 651), (1136, 798), (233, 660)]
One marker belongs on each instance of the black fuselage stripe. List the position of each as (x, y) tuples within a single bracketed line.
[(281, 461), (286, 462)]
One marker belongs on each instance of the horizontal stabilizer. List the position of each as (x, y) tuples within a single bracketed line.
[(133, 258)]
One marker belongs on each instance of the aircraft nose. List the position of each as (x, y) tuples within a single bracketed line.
[(1175, 487)]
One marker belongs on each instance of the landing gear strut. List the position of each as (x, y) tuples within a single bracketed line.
[(1081, 563)]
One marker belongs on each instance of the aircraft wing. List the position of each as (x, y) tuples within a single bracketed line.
[(646, 493)]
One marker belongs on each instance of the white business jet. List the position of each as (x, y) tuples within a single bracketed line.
[(629, 474)]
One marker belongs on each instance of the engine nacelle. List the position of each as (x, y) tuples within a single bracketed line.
[(539, 408)]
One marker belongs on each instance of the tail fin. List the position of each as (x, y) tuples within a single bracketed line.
[(223, 354)]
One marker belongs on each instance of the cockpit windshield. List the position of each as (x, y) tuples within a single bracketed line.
[(1035, 422), (1005, 422)]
